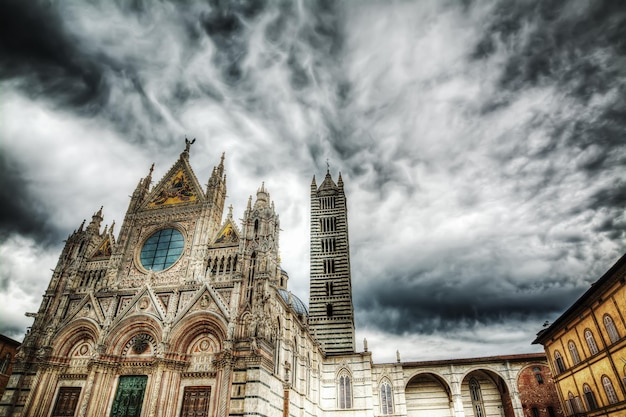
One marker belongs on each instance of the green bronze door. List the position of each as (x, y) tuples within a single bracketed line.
[(129, 396)]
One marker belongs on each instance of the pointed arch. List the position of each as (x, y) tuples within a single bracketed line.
[(386, 396), (344, 389)]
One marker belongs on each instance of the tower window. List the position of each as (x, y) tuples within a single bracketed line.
[(328, 224), (329, 310), (538, 375), (329, 289), (329, 266)]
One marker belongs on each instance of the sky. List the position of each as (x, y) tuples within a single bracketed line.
[(482, 145)]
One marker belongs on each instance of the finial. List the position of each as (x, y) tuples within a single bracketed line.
[(398, 355), (112, 226), (365, 344), (151, 169), (327, 166), (230, 211)]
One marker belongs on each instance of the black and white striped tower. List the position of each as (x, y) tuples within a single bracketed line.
[(331, 315)]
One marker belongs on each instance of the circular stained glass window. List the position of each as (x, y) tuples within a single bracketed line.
[(162, 249)]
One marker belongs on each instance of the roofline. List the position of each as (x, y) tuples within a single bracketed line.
[(9, 341), (512, 358), (595, 290)]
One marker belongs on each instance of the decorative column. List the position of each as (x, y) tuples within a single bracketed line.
[(226, 364), (87, 395), (156, 390)]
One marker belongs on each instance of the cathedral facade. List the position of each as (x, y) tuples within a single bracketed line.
[(187, 313)]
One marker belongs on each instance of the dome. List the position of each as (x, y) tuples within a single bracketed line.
[(293, 301)]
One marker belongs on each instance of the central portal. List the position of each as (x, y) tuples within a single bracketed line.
[(129, 396)]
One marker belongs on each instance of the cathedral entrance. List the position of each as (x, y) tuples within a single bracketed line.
[(129, 396)]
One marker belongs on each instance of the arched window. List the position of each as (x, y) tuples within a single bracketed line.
[(277, 351), (590, 399), (574, 352), (386, 398), (477, 398), (610, 328), (591, 342), (538, 375), (558, 360), (574, 404), (294, 365), (609, 390), (4, 364), (345, 392)]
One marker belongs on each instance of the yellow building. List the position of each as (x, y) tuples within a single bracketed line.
[(586, 348)]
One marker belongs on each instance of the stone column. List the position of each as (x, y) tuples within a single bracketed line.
[(156, 390), (226, 364), (82, 412)]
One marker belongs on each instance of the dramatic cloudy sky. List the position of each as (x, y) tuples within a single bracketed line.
[(482, 145)]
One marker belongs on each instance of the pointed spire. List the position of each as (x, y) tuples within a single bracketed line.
[(112, 227), (96, 219), (220, 167), (82, 225), (148, 180), (249, 203), (340, 182), (313, 183)]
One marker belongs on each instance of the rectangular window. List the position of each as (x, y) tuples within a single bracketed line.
[(67, 401), (196, 402)]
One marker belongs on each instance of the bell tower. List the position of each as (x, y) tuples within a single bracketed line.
[(331, 315)]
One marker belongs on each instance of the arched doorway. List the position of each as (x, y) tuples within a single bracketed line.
[(484, 393), (428, 395)]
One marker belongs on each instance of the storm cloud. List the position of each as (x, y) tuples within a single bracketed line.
[(481, 144)]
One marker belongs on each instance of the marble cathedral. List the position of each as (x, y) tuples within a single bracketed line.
[(187, 313)]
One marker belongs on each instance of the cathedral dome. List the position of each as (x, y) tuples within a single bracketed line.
[(293, 301)]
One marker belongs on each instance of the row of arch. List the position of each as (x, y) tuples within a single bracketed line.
[(575, 357), (180, 337), (475, 382), (574, 404)]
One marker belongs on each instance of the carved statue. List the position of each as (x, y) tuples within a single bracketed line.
[(188, 144)]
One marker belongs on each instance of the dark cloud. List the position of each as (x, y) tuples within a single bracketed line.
[(20, 211), (36, 49)]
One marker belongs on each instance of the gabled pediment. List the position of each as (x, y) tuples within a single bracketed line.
[(144, 302), (178, 186), (88, 307), (228, 235), (204, 299), (105, 248)]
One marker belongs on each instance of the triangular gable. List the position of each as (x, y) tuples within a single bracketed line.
[(144, 302), (205, 299), (228, 236), (178, 186), (104, 249), (88, 308)]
